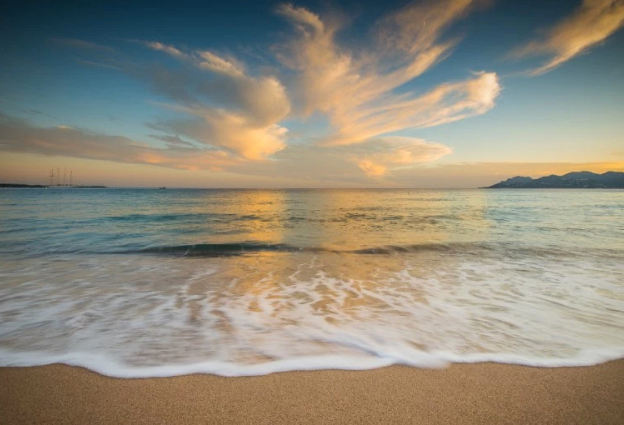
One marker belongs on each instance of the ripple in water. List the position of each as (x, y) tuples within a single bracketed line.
[(256, 296)]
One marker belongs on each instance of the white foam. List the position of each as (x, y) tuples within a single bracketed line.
[(106, 365), (264, 314)]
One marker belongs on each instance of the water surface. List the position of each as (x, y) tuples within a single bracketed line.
[(239, 282)]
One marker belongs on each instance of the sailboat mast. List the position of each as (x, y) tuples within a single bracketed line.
[(71, 177), (51, 176)]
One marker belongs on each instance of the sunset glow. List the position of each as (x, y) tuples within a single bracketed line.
[(453, 93)]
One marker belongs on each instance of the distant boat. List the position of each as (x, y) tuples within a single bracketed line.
[(162, 188), (58, 184)]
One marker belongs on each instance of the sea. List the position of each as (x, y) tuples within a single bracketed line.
[(150, 283)]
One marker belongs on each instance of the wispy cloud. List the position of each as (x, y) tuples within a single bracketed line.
[(172, 140), (20, 136), (394, 152), (97, 64), (82, 44), (36, 112), (592, 23), (233, 116), (338, 165), (306, 164), (358, 91), (418, 26)]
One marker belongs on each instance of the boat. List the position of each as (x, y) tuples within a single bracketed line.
[(64, 184)]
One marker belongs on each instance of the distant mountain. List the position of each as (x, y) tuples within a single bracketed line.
[(36, 186), (20, 185), (574, 180)]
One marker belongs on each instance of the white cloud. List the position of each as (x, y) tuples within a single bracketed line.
[(233, 116), (590, 24), (358, 91)]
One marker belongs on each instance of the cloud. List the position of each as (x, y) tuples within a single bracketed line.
[(337, 166), (172, 140), (154, 45), (20, 136), (358, 91), (417, 27), (234, 117), (593, 22), (307, 165), (232, 131), (82, 44), (37, 112), (97, 64), (229, 108), (32, 112), (302, 17), (396, 152), (362, 164)]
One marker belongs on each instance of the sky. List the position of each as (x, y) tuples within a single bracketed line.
[(431, 94)]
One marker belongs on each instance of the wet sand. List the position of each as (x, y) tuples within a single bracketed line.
[(473, 394)]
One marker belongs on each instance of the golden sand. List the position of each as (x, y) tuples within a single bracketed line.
[(480, 393)]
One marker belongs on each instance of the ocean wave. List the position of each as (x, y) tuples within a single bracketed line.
[(166, 217), (213, 249), (111, 246), (217, 249), (109, 366), (468, 248), (144, 316), (133, 284)]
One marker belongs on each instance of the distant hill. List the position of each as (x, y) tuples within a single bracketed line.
[(574, 180), (20, 185), (38, 186)]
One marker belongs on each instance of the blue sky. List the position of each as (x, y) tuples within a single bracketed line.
[(310, 94)]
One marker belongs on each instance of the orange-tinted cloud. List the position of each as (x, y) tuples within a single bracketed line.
[(590, 24), (418, 26), (358, 91), (390, 153), (398, 160), (233, 117), (229, 108), (22, 137)]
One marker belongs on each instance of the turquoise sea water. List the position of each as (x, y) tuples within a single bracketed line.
[(138, 282)]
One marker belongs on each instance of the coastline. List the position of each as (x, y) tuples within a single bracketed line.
[(461, 393)]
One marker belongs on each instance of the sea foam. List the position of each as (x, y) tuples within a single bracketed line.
[(143, 316), (105, 365)]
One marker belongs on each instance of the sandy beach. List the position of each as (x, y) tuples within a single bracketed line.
[(479, 393)]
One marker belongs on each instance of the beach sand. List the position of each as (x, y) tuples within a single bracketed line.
[(479, 393)]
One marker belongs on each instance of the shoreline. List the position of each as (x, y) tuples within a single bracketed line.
[(461, 393)]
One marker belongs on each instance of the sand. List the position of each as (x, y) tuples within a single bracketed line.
[(479, 394)]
